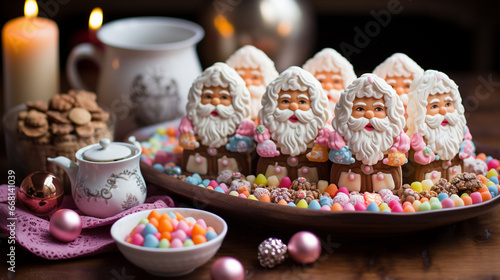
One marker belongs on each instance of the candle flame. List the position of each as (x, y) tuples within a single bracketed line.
[(222, 24), (30, 9), (95, 20)]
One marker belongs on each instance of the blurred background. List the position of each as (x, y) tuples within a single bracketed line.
[(446, 35)]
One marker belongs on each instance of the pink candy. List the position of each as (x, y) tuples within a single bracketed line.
[(476, 197), (137, 239), (180, 235), (447, 203), (397, 208), (360, 206), (176, 243), (183, 226), (348, 207)]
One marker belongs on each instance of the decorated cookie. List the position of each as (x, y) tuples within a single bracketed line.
[(333, 71), (369, 125), (437, 127), (257, 70)]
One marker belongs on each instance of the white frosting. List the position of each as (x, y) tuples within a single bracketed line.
[(444, 140), (398, 65), (213, 131), (330, 60), (294, 138), (251, 57), (369, 146)]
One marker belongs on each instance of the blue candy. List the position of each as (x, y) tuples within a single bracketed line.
[(373, 207), (159, 167), (210, 235), (325, 200), (291, 204), (442, 196), (314, 204), (149, 229), (151, 241), (342, 156), (219, 189), (493, 190), (494, 179), (172, 215), (206, 182), (488, 158), (197, 177)]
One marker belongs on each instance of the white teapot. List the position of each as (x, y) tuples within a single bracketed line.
[(107, 178)]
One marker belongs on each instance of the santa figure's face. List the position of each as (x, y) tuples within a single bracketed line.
[(401, 85), (255, 84), (216, 96), (251, 76), (332, 83), (440, 104), (368, 107), (294, 100), (443, 128)]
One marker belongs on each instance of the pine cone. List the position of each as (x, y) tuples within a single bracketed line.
[(271, 252), (466, 183), (280, 194)]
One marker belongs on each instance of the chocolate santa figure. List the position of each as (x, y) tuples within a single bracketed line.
[(257, 70), (440, 139), (333, 71), (293, 117), (216, 134), (399, 71), (368, 144)]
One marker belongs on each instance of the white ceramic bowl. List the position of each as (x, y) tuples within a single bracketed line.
[(169, 261)]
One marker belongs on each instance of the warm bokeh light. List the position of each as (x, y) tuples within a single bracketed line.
[(30, 9), (95, 20), (224, 27), (284, 28)]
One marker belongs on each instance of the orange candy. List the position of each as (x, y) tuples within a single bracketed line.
[(265, 198), (166, 235), (484, 189), (424, 199), (372, 197), (242, 189), (482, 178), (179, 216), (481, 156), (282, 202), (198, 230), (154, 222), (331, 189), (165, 226), (209, 188), (198, 239), (485, 196), (165, 216), (336, 207), (177, 149), (406, 203), (409, 209), (467, 200), (210, 228), (155, 214)]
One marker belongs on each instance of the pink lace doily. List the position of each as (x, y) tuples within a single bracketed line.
[(32, 232)]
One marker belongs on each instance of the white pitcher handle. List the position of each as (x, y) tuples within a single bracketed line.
[(81, 52)]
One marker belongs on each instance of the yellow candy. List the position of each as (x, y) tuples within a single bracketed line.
[(490, 183), (252, 197), (322, 185), (234, 193), (273, 181), (302, 204), (383, 206), (161, 131), (261, 180), (457, 200), (427, 185), (416, 205), (416, 186), (491, 173)]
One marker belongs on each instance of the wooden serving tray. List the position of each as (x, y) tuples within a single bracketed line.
[(349, 224)]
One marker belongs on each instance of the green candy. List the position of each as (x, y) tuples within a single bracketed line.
[(188, 242), (436, 205), (426, 206), (144, 221), (164, 243)]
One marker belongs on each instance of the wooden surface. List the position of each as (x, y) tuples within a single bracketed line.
[(465, 250)]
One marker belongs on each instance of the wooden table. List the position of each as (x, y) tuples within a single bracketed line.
[(464, 250)]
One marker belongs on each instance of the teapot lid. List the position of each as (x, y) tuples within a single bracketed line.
[(107, 151)]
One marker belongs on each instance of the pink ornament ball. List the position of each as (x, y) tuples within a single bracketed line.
[(304, 247), (227, 268), (65, 225)]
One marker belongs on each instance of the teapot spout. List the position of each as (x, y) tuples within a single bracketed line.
[(69, 166)]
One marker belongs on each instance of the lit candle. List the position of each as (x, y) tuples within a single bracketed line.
[(30, 57), (95, 22)]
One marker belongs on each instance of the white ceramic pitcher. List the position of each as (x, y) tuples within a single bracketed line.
[(147, 65)]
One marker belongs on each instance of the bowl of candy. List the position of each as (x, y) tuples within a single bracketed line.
[(169, 241)]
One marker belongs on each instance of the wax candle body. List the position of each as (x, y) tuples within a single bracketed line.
[(30, 60)]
